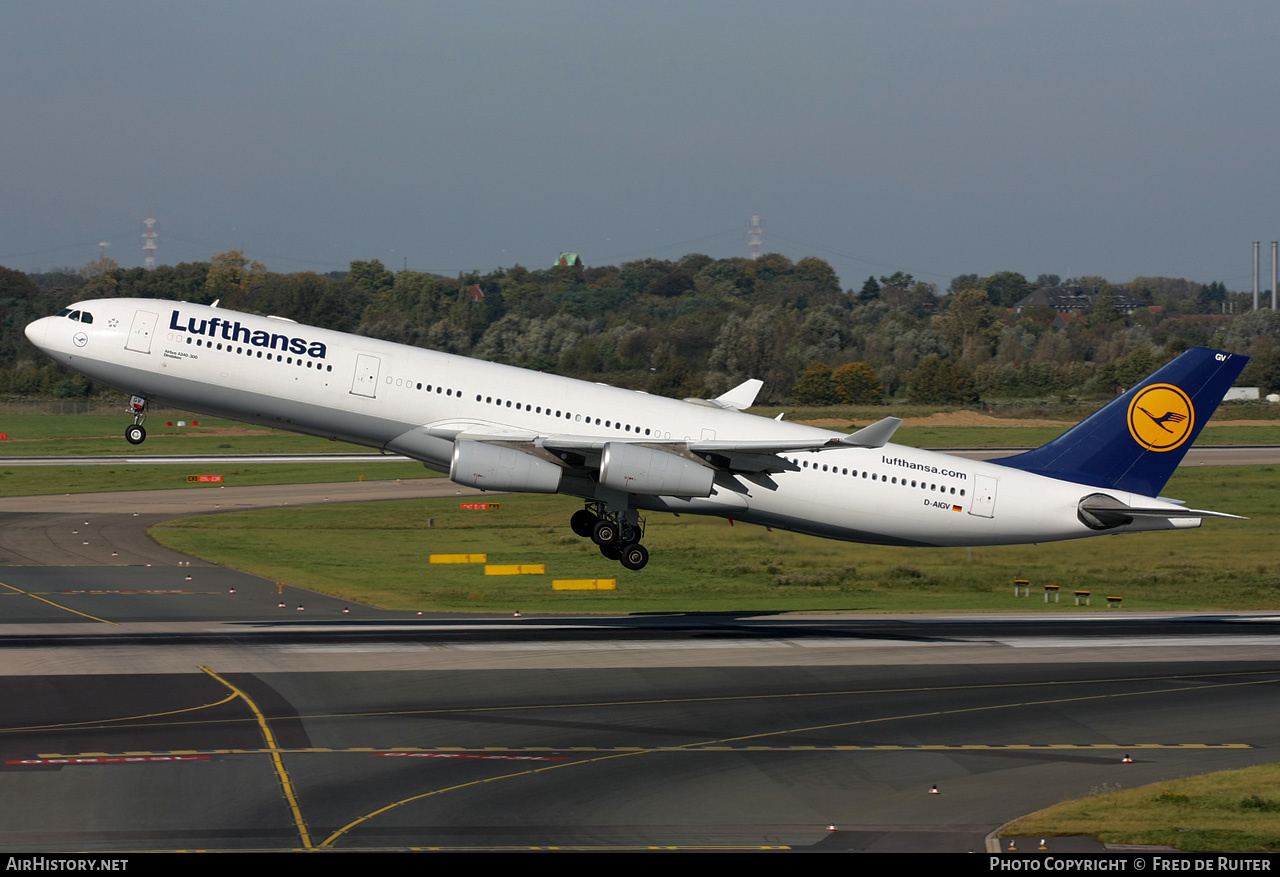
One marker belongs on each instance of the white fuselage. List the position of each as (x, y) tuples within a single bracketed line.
[(389, 396)]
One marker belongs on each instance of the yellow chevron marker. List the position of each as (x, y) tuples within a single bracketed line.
[(459, 558), (515, 569), (584, 584)]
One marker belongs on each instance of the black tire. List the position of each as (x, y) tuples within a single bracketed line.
[(135, 434), (605, 533), (583, 523), (634, 556), (628, 535), (613, 551)]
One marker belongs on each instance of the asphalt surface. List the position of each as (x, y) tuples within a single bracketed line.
[(110, 528), (146, 710), (692, 757)]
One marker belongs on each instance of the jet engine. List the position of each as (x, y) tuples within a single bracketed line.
[(494, 467), (636, 469)]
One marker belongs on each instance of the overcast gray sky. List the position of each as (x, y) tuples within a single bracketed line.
[(939, 138)]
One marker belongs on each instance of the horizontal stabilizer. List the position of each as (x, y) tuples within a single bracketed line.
[(1100, 511), (1134, 511)]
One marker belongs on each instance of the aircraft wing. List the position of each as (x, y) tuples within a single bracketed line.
[(876, 435), (588, 452)]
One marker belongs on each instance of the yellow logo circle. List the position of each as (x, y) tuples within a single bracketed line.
[(1161, 417)]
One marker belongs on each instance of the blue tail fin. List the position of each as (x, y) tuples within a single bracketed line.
[(1137, 441)]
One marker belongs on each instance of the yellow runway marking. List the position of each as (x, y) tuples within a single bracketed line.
[(988, 708), (100, 723), (56, 605), (154, 592), (331, 839), (285, 783)]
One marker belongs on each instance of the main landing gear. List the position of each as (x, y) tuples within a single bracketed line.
[(617, 533), (135, 434)]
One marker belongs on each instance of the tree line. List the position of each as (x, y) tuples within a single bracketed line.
[(697, 326)]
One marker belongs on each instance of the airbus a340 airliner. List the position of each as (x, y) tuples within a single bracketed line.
[(503, 428)]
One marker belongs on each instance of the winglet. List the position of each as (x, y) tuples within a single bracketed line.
[(740, 397), (876, 435)]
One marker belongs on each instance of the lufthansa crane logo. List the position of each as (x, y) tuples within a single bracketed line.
[(1161, 417)]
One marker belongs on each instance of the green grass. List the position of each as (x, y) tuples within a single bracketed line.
[(30, 435), (1230, 811), (377, 553), (44, 480)]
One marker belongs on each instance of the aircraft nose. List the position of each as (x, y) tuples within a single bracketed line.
[(36, 331)]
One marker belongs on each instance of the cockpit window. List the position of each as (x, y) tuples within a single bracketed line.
[(64, 312), (86, 317), (74, 315)]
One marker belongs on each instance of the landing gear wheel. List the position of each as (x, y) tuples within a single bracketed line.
[(583, 523), (634, 556), (613, 551), (605, 533), (628, 535), (135, 434)]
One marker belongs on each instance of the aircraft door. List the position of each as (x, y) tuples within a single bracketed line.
[(365, 382), (983, 503), (144, 326)]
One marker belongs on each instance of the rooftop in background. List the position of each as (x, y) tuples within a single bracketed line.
[(1075, 299)]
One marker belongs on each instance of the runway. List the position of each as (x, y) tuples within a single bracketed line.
[(149, 711), (695, 758)]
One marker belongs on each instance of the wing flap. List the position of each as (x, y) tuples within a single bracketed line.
[(876, 435)]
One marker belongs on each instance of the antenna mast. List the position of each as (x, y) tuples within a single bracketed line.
[(755, 234), (149, 244)]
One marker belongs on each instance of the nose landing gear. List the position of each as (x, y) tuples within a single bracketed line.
[(135, 434), (618, 533)]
